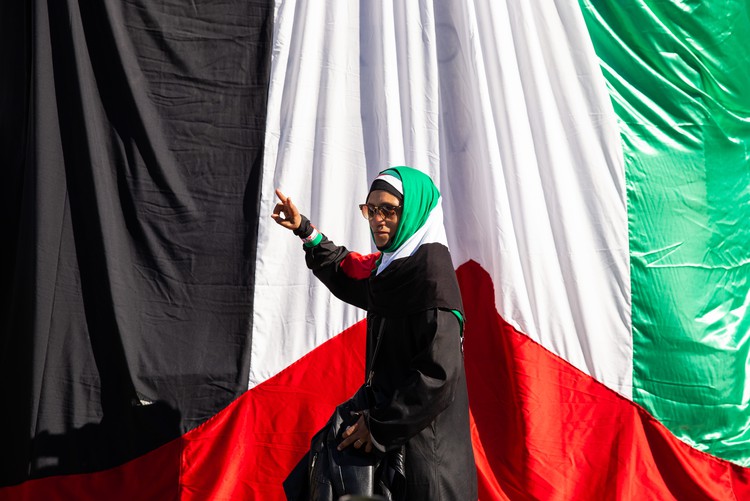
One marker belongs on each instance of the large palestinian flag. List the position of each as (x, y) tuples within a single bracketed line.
[(161, 338)]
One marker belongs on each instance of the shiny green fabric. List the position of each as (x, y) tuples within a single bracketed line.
[(420, 197), (679, 77)]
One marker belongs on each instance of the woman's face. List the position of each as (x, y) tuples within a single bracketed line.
[(383, 230)]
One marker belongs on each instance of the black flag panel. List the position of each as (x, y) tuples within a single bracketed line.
[(132, 144)]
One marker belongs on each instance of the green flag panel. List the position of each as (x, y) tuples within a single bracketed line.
[(679, 76)]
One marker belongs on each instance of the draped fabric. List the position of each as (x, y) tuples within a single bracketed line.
[(685, 121), (592, 162), (132, 153)]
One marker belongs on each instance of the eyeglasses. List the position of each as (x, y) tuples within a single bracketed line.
[(386, 211)]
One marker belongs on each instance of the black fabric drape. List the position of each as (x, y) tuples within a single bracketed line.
[(132, 143)]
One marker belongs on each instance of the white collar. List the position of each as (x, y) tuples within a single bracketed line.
[(432, 231)]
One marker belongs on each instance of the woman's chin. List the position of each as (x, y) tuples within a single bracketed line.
[(381, 243)]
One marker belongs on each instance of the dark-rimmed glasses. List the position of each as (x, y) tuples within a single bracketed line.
[(386, 211)]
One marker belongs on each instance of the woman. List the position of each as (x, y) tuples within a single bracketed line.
[(414, 377)]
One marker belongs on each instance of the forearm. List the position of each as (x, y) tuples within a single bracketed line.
[(324, 258)]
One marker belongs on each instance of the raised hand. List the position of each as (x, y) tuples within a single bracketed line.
[(285, 213)]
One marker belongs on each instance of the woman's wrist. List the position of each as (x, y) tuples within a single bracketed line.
[(305, 228)]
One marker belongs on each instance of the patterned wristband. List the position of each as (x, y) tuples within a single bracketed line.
[(313, 239)]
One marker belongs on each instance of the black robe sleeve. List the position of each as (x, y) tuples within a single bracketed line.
[(406, 401), (325, 260)]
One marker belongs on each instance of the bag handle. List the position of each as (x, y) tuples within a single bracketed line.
[(375, 353)]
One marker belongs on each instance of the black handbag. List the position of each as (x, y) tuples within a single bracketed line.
[(334, 473)]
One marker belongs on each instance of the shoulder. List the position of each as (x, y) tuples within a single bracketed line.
[(359, 266)]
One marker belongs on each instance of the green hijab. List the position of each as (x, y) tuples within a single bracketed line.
[(420, 197)]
